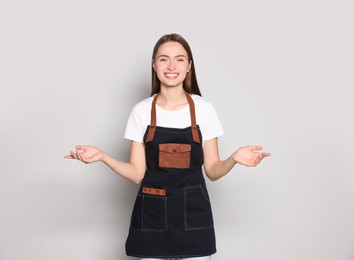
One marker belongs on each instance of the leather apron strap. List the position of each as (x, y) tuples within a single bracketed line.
[(152, 129)]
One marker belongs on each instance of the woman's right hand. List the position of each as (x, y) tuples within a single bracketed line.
[(86, 154)]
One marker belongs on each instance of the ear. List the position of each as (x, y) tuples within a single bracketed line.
[(153, 65), (190, 65)]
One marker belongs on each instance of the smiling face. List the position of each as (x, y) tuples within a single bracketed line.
[(171, 64)]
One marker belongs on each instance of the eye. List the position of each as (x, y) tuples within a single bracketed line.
[(180, 59), (162, 59)]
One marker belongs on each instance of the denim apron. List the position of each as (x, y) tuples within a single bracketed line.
[(172, 215)]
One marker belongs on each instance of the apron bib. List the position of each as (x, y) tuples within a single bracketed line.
[(172, 215)]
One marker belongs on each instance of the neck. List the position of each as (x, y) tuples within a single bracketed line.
[(171, 96)]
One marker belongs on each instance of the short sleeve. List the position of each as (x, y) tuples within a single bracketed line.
[(212, 127), (135, 126)]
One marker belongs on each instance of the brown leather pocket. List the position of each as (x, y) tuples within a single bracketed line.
[(174, 155)]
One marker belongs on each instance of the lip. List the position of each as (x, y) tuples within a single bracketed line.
[(171, 75)]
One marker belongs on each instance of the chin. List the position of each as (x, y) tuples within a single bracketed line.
[(172, 84)]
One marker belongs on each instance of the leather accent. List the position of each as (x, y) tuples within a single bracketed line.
[(173, 155), (152, 129), (193, 119), (154, 191)]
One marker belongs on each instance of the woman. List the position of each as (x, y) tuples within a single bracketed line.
[(173, 133)]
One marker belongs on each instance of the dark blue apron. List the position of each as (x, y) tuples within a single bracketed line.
[(172, 215)]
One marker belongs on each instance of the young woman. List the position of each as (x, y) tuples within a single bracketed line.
[(173, 133)]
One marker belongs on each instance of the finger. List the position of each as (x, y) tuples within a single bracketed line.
[(266, 154), (81, 147), (255, 147), (256, 160), (79, 155), (68, 157), (83, 157), (73, 154)]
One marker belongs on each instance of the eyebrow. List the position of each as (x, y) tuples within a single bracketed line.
[(163, 55)]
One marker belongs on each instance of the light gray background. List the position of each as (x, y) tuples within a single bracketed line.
[(280, 74)]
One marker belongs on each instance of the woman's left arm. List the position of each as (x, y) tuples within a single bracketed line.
[(215, 168)]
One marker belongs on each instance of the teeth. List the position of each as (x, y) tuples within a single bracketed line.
[(171, 75)]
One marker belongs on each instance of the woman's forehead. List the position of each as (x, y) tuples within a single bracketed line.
[(171, 49)]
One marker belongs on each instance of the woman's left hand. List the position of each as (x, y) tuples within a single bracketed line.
[(248, 155)]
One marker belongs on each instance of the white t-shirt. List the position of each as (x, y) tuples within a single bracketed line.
[(206, 118)]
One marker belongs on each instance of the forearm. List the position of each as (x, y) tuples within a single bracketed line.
[(220, 168), (125, 169)]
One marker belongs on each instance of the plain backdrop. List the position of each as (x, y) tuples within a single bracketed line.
[(279, 73)]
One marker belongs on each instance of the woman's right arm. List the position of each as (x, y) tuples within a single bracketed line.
[(134, 170)]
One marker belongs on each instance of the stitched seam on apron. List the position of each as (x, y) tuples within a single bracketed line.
[(185, 208), (165, 216)]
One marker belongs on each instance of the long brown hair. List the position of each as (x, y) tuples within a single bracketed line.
[(190, 83)]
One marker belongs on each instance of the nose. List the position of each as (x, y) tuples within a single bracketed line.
[(171, 65)]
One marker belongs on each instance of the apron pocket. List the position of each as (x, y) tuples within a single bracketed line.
[(149, 213), (197, 209), (173, 155)]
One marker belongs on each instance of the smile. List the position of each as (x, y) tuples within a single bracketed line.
[(171, 75)]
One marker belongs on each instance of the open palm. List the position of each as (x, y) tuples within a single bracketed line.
[(248, 155), (86, 154)]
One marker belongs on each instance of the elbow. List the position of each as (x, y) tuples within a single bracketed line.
[(210, 174), (139, 178), (212, 178), (137, 181)]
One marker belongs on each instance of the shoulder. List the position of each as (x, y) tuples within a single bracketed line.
[(207, 118), (138, 119)]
